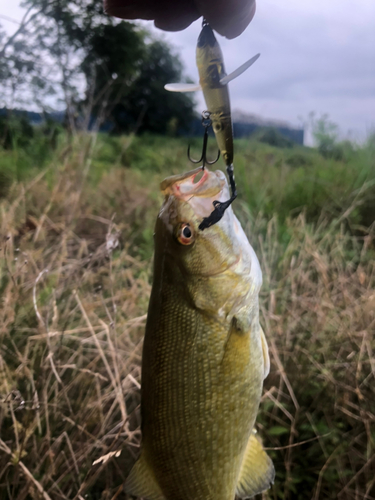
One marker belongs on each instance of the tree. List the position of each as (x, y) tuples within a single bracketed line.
[(71, 52), (146, 100)]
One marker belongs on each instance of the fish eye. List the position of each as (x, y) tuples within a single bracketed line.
[(185, 234)]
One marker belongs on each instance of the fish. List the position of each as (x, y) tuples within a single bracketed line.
[(205, 355), (213, 81)]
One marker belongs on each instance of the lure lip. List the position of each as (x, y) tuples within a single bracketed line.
[(206, 37)]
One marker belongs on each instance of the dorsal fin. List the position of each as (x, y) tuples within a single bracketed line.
[(141, 482), (228, 78), (257, 471)]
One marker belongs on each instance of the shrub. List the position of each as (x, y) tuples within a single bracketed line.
[(273, 137), (75, 282)]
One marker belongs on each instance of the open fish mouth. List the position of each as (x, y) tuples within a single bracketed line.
[(201, 193), (185, 185)]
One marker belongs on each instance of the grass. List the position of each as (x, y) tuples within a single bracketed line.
[(76, 253)]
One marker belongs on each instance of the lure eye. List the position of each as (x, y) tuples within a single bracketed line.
[(185, 234)]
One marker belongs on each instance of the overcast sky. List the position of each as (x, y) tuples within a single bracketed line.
[(316, 55)]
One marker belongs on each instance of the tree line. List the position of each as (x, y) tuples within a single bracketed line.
[(70, 54)]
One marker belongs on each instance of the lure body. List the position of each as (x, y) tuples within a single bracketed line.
[(213, 81)]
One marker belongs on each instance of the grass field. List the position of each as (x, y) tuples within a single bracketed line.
[(76, 263)]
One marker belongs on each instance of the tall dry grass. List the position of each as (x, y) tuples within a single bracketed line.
[(318, 310), (75, 282)]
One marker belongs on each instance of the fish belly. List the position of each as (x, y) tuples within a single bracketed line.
[(201, 387)]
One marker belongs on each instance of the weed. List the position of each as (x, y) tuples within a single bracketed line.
[(76, 246)]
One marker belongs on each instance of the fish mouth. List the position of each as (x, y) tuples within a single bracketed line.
[(185, 186), (200, 194)]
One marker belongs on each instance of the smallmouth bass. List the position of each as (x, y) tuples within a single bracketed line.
[(204, 356)]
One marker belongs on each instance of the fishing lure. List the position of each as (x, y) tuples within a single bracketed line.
[(213, 81)]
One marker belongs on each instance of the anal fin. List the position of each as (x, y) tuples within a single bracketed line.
[(142, 483), (257, 471)]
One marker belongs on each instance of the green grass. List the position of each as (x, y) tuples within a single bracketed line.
[(272, 180), (73, 311)]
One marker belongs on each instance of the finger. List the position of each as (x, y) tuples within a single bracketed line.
[(130, 9), (169, 15), (176, 15), (229, 18)]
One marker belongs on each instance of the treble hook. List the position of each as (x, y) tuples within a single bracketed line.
[(206, 122)]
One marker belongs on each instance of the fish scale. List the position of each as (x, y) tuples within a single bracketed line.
[(198, 388), (204, 359)]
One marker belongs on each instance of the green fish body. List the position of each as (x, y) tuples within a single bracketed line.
[(204, 356)]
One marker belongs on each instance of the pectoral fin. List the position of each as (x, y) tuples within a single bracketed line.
[(266, 356), (142, 483), (182, 87), (257, 471), (228, 78)]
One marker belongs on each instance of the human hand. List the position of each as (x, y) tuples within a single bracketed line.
[(228, 17)]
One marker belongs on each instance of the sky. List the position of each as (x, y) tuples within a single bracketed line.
[(316, 55)]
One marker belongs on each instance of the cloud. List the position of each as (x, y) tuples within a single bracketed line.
[(315, 56)]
